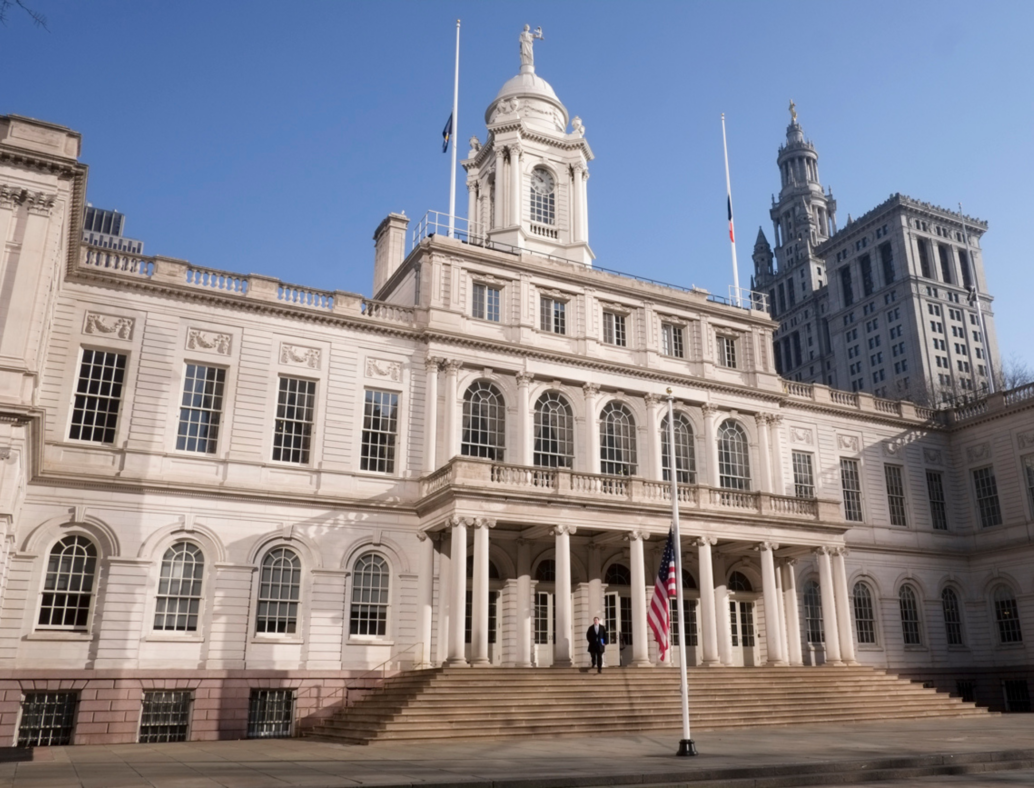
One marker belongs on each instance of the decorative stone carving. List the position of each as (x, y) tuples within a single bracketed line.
[(383, 369), (563, 529), (5, 453), (109, 325), (590, 389), (524, 378), (475, 144), (577, 127), (979, 453), (1025, 440), (212, 341), (933, 456), (847, 442), (762, 546), (40, 203), (891, 448), (300, 356), (8, 195)]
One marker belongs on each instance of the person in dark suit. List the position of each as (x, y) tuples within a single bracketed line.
[(597, 637)]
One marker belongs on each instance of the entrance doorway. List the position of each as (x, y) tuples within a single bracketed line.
[(617, 613), (741, 620)]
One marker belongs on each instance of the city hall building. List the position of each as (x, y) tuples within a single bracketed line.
[(224, 497)]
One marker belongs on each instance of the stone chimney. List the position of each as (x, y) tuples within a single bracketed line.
[(389, 243)]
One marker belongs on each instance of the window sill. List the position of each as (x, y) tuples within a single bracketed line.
[(287, 640), (1009, 646), (60, 634), (368, 640), (916, 648), (172, 637), (869, 647)]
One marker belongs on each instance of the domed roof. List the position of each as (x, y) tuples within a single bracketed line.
[(527, 83), (531, 97)]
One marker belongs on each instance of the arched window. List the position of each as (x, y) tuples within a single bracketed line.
[(371, 583), (545, 572), (813, 613), (733, 457), (910, 625), (1008, 616), (739, 582), (617, 440), (493, 570), (618, 575), (543, 196), (484, 422), (179, 588), (279, 587), (864, 614), (554, 432), (685, 456), (952, 617), (68, 587), (687, 580)]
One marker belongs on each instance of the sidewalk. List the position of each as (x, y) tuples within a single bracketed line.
[(760, 757)]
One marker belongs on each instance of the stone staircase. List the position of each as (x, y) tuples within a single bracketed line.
[(455, 703)]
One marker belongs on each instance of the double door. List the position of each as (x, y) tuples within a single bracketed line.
[(617, 612), (744, 635)]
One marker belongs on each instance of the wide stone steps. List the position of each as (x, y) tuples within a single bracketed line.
[(447, 703)]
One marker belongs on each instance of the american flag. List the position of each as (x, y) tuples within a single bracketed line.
[(665, 588)]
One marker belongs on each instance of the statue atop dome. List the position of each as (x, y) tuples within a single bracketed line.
[(527, 38), (793, 112)]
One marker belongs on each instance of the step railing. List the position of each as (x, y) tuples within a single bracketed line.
[(383, 668)]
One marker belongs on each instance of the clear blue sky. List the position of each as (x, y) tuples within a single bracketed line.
[(272, 137)]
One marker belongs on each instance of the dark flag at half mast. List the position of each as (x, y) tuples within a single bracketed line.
[(664, 589), (447, 134), (728, 202)]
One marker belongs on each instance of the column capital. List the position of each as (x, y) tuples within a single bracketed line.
[(452, 365), (524, 378), (769, 546), (821, 551), (434, 361), (472, 184), (791, 562), (422, 536), (558, 530), (481, 522), (775, 419), (636, 536), (840, 551), (514, 151), (761, 419), (652, 399), (708, 409), (590, 389), (457, 522), (700, 541)]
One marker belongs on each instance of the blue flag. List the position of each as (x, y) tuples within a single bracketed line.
[(447, 134)]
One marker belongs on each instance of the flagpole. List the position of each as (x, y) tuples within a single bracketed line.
[(732, 235), (976, 302), (686, 744), (455, 128)]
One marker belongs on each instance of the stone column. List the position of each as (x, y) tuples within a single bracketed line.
[(524, 606), (764, 458), (458, 608), (425, 595), (453, 409), (708, 627), (583, 204), (793, 616), (443, 629), (576, 202), (711, 441), (653, 438), (515, 184), (499, 190), (640, 644), (525, 424), (721, 608), (843, 604), (829, 608), (479, 594), (431, 415), (562, 624), (775, 455), (776, 652), (472, 206), (592, 430)]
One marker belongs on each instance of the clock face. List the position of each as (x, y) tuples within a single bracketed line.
[(542, 182)]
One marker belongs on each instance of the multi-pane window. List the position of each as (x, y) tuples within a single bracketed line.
[(68, 587), (201, 409), (279, 590), (98, 395), (270, 713), (295, 409), (486, 302), (864, 614), (370, 594), (803, 475), (164, 716), (1007, 616), (733, 457), (617, 440), (672, 341), (614, 329), (543, 196), (552, 315), (952, 617), (895, 494), (938, 504), (726, 351), (691, 622), (484, 422), (850, 482), (813, 613), (380, 426), (554, 432), (987, 496), (179, 588), (909, 607), (685, 454), (1028, 470), (1017, 695), (744, 635), (48, 719)]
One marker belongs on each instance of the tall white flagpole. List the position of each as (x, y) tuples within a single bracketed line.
[(975, 297), (455, 138), (732, 234), (686, 744)]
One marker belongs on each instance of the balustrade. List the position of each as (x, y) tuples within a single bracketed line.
[(217, 280), (382, 310), (317, 299)]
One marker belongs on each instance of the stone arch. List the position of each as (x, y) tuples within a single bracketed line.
[(43, 537), (154, 546)]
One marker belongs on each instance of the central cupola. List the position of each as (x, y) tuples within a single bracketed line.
[(527, 184)]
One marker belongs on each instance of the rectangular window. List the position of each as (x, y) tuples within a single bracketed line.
[(201, 409), (938, 504), (552, 315), (845, 285), (380, 426), (987, 496), (1017, 695), (691, 622), (543, 606), (868, 284), (164, 716), (614, 329), (270, 713), (295, 411), (48, 719), (98, 395), (803, 475), (727, 352), (887, 261), (896, 494), (486, 303), (671, 340), (924, 259), (850, 481), (946, 264), (967, 275)]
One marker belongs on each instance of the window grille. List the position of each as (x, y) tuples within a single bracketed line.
[(484, 422), (68, 587), (952, 617), (851, 483), (1017, 695), (179, 588), (727, 352), (618, 575), (164, 716), (987, 497), (552, 315), (370, 596), (966, 690), (1007, 616), (691, 622), (938, 504), (739, 582), (1028, 468), (486, 302), (554, 432), (545, 572), (48, 719), (617, 441), (909, 607), (803, 475), (98, 395), (201, 409), (295, 409), (671, 341), (733, 457), (380, 427), (742, 635), (543, 197), (685, 452), (614, 329), (270, 713), (813, 613), (493, 614), (543, 607), (864, 614), (895, 494), (278, 592)]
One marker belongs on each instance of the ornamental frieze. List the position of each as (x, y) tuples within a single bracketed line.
[(300, 356), (109, 325), (383, 369), (210, 341)]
